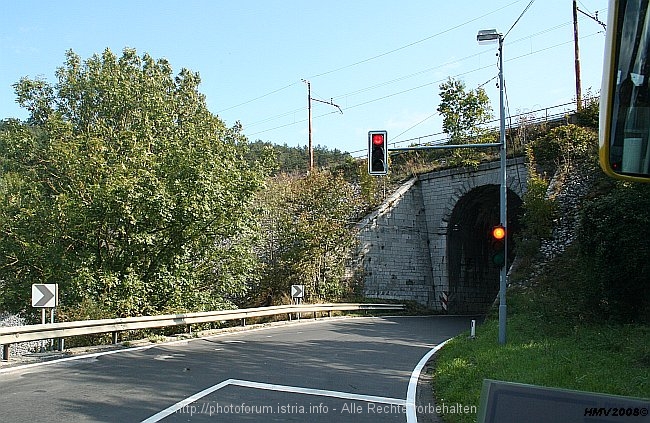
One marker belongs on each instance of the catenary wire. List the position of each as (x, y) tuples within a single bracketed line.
[(369, 58)]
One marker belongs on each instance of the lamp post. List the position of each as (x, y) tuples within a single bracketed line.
[(490, 36)]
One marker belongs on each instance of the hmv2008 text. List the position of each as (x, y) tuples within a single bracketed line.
[(615, 412)]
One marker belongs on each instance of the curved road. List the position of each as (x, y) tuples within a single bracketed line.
[(353, 369)]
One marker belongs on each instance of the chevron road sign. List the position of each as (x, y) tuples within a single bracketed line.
[(45, 295), (297, 291)]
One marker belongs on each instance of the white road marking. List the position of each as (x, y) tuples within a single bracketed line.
[(317, 392), (411, 415), (409, 403), (270, 387), (174, 408)]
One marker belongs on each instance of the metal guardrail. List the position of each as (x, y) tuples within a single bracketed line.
[(15, 334)]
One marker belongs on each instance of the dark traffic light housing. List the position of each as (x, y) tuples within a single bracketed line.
[(377, 153), (498, 246)]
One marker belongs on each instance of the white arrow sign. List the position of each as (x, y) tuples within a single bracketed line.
[(297, 291), (45, 295)]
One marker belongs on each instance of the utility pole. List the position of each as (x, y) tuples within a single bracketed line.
[(311, 145), (577, 57), (577, 50), (309, 100)]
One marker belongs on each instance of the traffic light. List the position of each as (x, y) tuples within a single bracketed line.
[(498, 246), (377, 152)]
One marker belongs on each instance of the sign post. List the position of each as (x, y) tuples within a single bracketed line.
[(297, 294), (45, 296)]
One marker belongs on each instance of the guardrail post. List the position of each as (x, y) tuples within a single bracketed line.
[(115, 335), (5, 352), (243, 322), (329, 313), (61, 344)]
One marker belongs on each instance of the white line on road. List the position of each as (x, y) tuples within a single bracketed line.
[(270, 387), (411, 415), (179, 405), (409, 403), (318, 392)]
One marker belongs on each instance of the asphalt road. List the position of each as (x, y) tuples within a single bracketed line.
[(354, 370)]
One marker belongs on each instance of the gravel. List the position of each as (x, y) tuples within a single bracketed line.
[(22, 348)]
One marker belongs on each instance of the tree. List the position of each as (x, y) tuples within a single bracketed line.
[(123, 188), (464, 114), (308, 234)]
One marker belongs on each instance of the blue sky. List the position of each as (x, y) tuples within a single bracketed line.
[(380, 61)]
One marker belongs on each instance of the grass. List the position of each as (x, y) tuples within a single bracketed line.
[(607, 358)]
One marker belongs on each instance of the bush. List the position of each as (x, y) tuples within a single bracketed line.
[(614, 240)]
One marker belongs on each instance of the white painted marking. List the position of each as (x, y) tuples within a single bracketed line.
[(174, 408), (270, 387), (168, 356), (317, 392), (411, 415)]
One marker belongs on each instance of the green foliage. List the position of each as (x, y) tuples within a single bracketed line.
[(123, 188), (308, 234), (536, 224), (539, 210), (587, 117), (614, 242), (372, 187), (464, 114), (564, 146), (609, 359), (295, 159)]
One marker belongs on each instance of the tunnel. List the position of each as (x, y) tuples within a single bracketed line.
[(473, 279)]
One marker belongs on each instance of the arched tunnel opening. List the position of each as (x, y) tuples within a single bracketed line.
[(473, 279)]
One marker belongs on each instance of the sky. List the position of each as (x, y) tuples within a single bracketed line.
[(380, 61)]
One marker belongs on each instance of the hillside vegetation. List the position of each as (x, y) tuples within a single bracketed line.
[(579, 295), (126, 191)]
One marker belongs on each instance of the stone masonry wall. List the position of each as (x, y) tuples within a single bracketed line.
[(403, 244), (393, 248)]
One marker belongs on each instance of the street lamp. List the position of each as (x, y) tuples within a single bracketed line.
[(490, 36)]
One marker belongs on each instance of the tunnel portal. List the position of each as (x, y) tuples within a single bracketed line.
[(473, 279)]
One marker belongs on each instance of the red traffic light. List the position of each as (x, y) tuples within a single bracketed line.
[(377, 153), (498, 232)]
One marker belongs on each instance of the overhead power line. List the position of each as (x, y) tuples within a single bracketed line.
[(520, 16), (402, 78), (415, 42), (384, 97), (370, 58)]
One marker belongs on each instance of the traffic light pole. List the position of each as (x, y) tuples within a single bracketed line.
[(503, 189), (503, 207)]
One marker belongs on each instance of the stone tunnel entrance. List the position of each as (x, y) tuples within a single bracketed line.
[(473, 279)]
